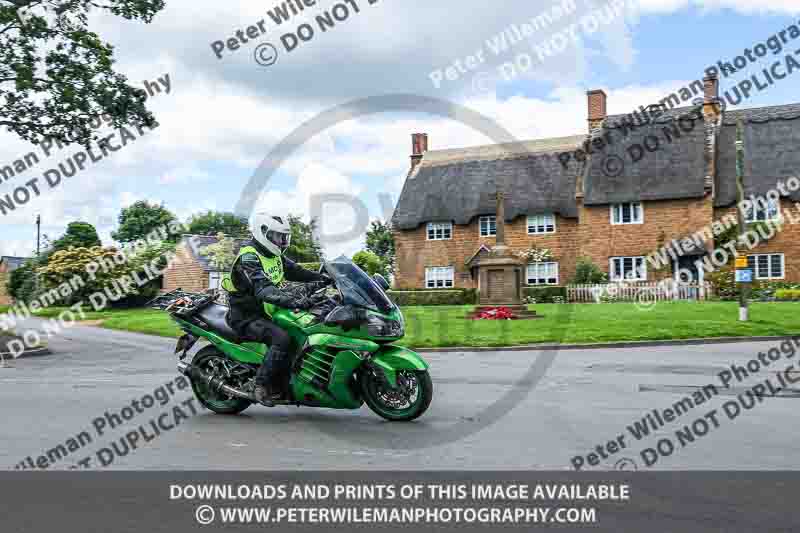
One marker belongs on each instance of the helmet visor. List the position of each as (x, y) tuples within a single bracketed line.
[(279, 239)]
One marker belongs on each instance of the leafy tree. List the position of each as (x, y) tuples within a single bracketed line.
[(56, 75), (78, 235), (587, 273), (21, 284), (380, 241), (140, 219), (222, 254), (305, 247), (117, 283), (370, 263), (214, 222)]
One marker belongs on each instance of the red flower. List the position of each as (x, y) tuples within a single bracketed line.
[(496, 313)]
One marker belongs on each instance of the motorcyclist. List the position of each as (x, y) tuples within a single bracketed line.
[(256, 276)]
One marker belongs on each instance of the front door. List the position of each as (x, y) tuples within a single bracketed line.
[(496, 282), (687, 271)]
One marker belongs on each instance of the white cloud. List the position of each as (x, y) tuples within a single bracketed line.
[(743, 6), (233, 112), (19, 247), (310, 197)]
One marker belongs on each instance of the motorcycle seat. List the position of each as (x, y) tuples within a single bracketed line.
[(216, 316)]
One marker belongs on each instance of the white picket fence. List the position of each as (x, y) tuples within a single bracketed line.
[(667, 290)]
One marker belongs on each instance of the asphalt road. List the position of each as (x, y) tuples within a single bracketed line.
[(482, 416)]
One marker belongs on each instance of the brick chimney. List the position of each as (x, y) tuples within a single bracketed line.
[(419, 145), (712, 112), (711, 87), (597, 108)]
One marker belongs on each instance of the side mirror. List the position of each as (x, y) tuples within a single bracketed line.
[(381, 281)]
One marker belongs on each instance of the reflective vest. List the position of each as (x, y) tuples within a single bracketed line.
[(273, 267)]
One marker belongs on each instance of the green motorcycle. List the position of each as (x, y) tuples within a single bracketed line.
[(342, 351)]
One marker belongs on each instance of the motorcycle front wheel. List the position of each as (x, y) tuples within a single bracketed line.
[(408, 402)]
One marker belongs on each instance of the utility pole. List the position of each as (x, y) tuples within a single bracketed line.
[(38, 234), (744, 286)]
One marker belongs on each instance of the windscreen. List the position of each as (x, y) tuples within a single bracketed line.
[(356, 286)]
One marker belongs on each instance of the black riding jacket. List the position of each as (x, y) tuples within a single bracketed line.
[(254, 288)]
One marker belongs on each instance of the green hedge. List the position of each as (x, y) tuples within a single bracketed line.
[(725, 286), (544, 295), (787, 294), (434, 297)]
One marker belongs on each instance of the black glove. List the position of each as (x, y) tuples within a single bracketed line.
[(304, 303), (322, 284)]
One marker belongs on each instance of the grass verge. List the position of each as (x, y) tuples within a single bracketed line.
[(430, 327)]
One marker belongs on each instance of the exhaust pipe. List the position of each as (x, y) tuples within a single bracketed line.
[(194, 373)]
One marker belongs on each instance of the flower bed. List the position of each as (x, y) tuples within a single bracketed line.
[(496, 313)]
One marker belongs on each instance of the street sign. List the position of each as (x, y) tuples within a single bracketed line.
[(744, 276), (741, 262)]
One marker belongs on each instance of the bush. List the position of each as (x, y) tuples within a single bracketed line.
[(22, 282), (114, 275), (544, 295), (725, 287), (434, 297), (370, 263), (587, 273), (787, 294)]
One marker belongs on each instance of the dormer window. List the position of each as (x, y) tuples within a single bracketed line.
[(541, 224), (627, 213), (762, 210), (488, 226), (440, 231)]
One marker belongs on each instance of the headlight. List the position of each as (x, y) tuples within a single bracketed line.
[(378, 326)]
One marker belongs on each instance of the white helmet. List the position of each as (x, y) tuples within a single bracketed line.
[(272, 232)]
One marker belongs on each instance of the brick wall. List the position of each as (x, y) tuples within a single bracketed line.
[(663, 221), (415, 252), (5, 299), (591, 236), (185, 272), (786, 242)]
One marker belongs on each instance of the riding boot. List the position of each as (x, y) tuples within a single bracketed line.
[(266, 392), (280, 373), (263, 391)]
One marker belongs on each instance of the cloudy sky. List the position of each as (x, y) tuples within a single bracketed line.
[(223, 117)]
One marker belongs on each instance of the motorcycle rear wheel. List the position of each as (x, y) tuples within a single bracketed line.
[(380, 400), (205, 359)]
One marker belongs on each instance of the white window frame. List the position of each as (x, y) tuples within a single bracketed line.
[(537, 276), (489, 219), (617, 208), (446, 229), (436, 275), (770, 275), (215, 276), (615, 276), (768, 208), (541, 224)]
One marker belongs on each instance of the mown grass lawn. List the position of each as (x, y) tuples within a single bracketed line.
[(592, 323), (428, 327)]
